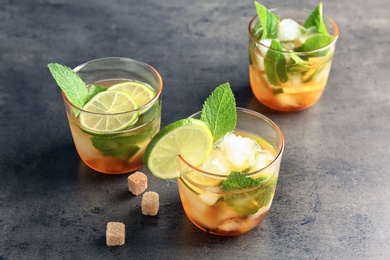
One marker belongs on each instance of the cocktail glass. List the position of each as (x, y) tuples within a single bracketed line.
[(304, 87), (231, 213), (121, 151)]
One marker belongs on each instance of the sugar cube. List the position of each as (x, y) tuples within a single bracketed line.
[(150, 203), (115, 234), (137, 183)]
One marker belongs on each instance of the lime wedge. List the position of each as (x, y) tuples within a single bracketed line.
[(140, 92), (107, 112), (189, 138)]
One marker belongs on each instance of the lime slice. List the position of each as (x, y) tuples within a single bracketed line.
[(140, 92), (107, 112), (203, 180), (189, 138)]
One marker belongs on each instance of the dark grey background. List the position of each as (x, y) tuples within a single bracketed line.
[(332, 199)]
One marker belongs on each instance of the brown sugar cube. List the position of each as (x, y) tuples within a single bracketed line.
[(137, 183), (115, 234), (150, 203)]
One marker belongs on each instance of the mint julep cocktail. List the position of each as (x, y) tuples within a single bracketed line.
[(226, 160)]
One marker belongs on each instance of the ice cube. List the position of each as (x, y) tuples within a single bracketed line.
[(209, 198), (216, 163), (239, 151), (323, 75), (287, 100), (264, 45), (296, 80), (231, 224), (289, 30), (257, 58), (288, 46), (263, 159)]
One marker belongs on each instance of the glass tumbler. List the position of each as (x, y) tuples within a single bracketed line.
[(119, 151), (289, 80), (231, 213)]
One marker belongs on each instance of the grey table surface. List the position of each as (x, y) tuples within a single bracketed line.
[(332, 198)]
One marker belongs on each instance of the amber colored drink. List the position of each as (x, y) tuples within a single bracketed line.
[(228, 213), (233, 212), (303, 88), (127, 146), (121, 151), (298, 93)]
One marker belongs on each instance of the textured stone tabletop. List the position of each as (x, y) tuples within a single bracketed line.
[(332, 200)]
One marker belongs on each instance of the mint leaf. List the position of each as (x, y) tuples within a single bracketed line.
[(246, 202), (316, 42), (315, 19), (269, 22), (237, 180), (70, 83), (119, 146), (219, 111), (297, 65), (275, 64), (249, 202), (258, 31), (94, 90)]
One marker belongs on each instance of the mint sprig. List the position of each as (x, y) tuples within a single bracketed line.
[(275, 64), (315, 20), (70, 83), (269, 21), (219, 111), (237, 180)]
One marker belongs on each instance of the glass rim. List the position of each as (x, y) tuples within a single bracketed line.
[(138, 109), (249, 174), (334, 24)]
